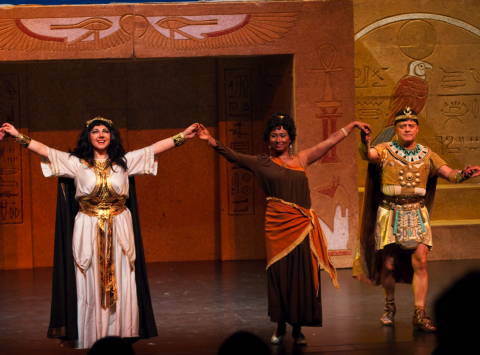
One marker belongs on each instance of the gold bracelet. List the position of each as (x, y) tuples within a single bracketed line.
[(461, 177), (457, 177), (344, 131), (23, 140), (178, 139)]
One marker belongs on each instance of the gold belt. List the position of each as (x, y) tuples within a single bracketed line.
[(403, 202), (104, 211)]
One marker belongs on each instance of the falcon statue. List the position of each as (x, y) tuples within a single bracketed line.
[(410, 91)]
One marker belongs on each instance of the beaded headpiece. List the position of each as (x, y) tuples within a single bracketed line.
[(99, 118), (406, 114)]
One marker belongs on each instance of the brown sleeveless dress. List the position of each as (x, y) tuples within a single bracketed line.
[(292, 297)]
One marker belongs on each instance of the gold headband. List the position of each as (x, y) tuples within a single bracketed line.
[(407, 114), (280, 116), (99, 118)]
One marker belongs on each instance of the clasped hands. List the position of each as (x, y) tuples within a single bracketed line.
[(471, 171), (8, 129)]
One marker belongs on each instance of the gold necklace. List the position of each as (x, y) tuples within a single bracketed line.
[(102, 165)]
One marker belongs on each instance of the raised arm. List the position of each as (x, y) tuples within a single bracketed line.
[(312, 154), (33, 145), (178, 139), (367, 152), (243, 160)]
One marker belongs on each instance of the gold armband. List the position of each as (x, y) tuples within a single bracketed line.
[(344, 131), (178, 139), (23, 140)]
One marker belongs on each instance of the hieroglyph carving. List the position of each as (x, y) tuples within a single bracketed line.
[(417, 39), (175, 32), (460, 108), (338, 236), (239, 136), (370, 76), (10, 183), (328, 108), (11, 207), (459, 144), (457, 78), (452, 78), (331, 188), (370, 107)]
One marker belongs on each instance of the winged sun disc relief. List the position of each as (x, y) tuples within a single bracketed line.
[(176, 32)]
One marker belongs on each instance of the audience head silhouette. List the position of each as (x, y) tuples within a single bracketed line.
[(457, 311), (243, 343), (111, 345)]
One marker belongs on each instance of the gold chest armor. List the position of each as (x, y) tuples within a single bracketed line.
[(408, 172)]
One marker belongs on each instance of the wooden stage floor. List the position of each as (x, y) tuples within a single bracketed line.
[(198, 304)]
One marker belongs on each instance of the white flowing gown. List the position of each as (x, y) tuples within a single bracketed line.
[(95, 322)]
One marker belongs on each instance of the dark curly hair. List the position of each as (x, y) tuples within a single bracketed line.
[(84, 149), (280, 120)]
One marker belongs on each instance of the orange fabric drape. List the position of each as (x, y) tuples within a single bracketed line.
[(280, 162), (286, 226)]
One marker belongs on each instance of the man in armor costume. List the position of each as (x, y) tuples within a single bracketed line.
[(396, 235)]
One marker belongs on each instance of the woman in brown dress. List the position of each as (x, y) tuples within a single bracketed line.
[(295, 245)]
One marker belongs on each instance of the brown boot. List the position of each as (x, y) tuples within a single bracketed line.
[(389, 314), (421, 321)]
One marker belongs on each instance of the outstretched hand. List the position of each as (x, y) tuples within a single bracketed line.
[(363, 127), (203, 132), (472, 171), (205, 135), (191, 131), (365, 131), (8, 128)]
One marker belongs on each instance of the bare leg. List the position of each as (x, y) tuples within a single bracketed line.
[(420, 275), (420, 289), (388, 283)]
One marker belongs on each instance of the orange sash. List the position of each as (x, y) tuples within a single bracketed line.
[(286, 226)]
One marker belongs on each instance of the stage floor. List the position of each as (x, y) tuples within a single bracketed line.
[(198, 304)]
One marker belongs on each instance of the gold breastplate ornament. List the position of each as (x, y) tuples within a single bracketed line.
[(409, 176)]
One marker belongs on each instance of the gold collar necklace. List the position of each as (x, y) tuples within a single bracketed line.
[(102, 164)]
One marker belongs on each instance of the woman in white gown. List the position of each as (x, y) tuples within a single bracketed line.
[(103, 242)]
